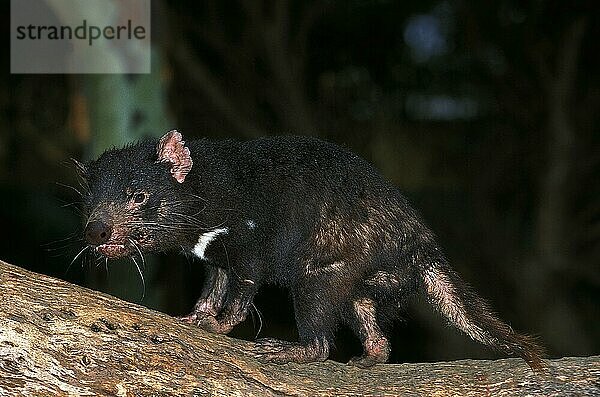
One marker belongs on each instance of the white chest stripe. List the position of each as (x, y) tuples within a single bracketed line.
[(205, 239)]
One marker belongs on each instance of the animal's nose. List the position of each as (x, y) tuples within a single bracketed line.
[(97, 232)]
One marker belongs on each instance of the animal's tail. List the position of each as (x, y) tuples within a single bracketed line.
[(451, 296)]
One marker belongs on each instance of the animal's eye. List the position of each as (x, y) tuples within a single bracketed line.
[(139, 198)]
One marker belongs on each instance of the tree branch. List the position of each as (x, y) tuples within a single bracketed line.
[(61, 339)]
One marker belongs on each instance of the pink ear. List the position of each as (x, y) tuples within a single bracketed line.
[(171, 148)]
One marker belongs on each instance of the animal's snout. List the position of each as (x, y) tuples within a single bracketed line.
[(97, 232)]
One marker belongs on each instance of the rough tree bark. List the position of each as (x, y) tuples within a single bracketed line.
[(61, 339)]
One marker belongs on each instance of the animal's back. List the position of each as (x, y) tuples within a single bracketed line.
[(338, 208)]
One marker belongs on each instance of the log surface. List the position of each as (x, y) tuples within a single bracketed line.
[(57, 338)]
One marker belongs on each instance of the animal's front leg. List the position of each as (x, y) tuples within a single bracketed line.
[(211, 300), (239, 298)]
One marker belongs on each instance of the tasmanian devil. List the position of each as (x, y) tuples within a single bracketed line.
[(294, 211)]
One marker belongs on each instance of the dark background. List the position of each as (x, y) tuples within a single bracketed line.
[(483, 113)]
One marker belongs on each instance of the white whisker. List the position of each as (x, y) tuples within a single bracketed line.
[(69, 187), (141, 276), (75, 258), (139, 252), (260, 321)]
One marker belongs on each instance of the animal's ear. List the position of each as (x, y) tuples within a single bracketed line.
[(171, 148), (80, 168)]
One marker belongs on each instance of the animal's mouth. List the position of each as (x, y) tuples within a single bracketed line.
[(113, 250)]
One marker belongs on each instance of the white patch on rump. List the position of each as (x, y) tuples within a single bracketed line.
[(251, 224), (205, 239)]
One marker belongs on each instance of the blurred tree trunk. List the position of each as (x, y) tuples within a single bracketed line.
[(113, 110), (262, 67), (61, 339), (554, 225), (542, 142)]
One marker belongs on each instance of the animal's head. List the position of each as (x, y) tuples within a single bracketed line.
[(136, 198)]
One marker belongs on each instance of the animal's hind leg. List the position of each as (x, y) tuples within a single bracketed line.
[(281, 351), (375, 344), (316, 318)]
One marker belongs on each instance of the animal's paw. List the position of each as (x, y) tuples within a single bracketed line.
[(190, 318), (365, 361), (208, 322), (281, 352), (273, 350), (214, 325)]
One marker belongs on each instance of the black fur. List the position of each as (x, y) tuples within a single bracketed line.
[(327, 226)]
